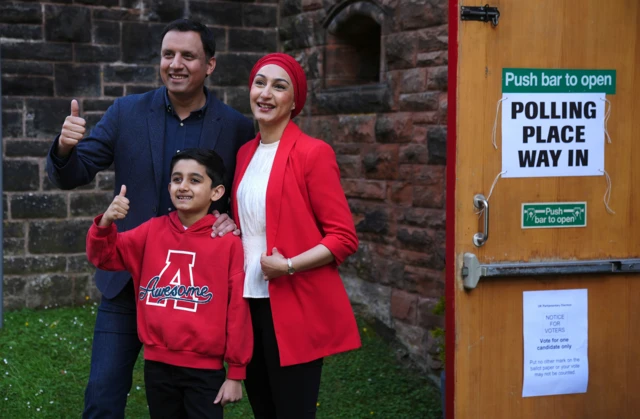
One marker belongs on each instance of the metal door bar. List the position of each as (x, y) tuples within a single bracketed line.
[(472, 270)]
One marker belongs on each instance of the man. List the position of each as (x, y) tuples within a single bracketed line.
[(139, 134)]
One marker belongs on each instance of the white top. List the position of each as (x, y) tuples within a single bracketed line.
[(252, 195)]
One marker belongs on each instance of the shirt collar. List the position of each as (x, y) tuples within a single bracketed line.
[(197, 113)]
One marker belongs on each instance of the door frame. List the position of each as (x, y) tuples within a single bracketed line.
[(450, 252)]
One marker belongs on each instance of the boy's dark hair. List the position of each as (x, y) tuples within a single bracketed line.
[(187, 25), (208, 158)]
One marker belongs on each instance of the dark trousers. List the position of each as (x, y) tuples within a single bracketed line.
[(179, 392), (277, 392), (114, 353)]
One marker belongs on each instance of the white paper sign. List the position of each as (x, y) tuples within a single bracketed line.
[(552, 134), (555, 329)]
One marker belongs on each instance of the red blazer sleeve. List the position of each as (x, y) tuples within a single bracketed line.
[(239, 343), (329, 203), (112, 251)]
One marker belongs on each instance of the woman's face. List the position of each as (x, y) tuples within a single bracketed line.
[(271, 95)]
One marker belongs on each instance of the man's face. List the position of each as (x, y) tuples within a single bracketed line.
[(184, 65)]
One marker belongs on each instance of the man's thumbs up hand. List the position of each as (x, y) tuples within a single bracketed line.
[(118, 209), (75, 108), (72, 131)]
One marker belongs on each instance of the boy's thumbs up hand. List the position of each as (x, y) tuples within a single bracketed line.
[(73, 131), (118, 209)]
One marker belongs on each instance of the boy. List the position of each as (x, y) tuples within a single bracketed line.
[(190, 311)]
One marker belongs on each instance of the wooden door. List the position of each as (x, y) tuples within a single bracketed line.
[(484, 325)]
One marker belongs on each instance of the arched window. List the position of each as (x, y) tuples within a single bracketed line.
[(353, 49)]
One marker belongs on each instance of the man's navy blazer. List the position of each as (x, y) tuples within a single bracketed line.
[(130, 136)]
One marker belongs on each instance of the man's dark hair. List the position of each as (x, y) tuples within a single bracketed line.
[(208, 158), (187, 25)]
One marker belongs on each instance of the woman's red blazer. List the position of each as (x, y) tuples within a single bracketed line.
[(306, 206)]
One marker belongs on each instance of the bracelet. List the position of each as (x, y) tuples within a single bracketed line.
[(290, 267)]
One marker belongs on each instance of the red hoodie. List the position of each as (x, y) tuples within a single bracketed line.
[(191, 312)]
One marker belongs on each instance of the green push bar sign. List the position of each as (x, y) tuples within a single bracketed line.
[(554, 215), (555, 80)]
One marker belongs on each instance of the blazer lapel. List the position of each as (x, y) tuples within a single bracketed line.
[(212, 124), (155, 123), (276, 181)]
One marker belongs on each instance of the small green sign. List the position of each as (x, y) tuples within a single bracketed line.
[(554, 215), (556, 80)]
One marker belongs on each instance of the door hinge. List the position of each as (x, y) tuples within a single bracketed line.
[(480, 13)]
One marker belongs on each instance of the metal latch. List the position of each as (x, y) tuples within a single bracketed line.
[(480, 13), (472, 270)]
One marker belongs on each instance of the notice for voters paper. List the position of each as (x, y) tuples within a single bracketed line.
[(555, 331)]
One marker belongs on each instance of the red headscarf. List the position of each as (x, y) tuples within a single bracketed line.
[(295, 72)]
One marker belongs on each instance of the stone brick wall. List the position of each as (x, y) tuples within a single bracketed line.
[(94, 51), (390, 141), (389, 135)]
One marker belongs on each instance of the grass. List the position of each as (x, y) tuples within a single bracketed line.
[(45, 357)]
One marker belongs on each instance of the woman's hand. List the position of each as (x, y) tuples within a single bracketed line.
[(273, 266)]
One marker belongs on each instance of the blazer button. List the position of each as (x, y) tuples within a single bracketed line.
[(155, 210)]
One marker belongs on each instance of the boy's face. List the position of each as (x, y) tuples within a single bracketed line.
[(190, 187)]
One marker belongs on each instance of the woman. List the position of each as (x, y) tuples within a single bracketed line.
[(296, 229)]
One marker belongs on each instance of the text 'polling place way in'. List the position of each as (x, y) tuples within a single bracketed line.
[(553, 122)]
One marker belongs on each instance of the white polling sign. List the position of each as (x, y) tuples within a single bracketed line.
[(555, 332), (553, 134)]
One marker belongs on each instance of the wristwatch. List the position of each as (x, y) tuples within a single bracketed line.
[(290, 269)]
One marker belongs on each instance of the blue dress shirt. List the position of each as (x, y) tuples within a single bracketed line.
[(178, 135)]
